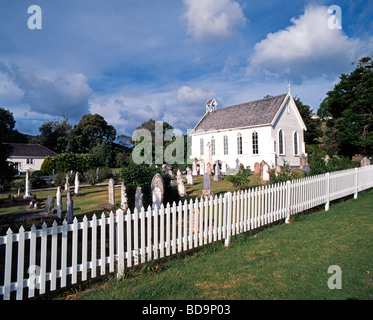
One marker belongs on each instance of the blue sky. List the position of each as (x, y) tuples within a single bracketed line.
[(132, 60)]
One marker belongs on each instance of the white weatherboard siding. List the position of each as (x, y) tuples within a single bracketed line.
[(289, 122)]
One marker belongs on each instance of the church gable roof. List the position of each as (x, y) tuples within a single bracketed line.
[(255, 113)]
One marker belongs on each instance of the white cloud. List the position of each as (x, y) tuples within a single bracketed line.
[(213, 19), (305, 48), (51, 92)]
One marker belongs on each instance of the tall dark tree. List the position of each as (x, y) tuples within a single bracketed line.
[(7, 124), (313, 125), (54, 135), (89, 132), (348, 109)]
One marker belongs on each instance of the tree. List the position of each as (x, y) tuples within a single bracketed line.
[(348, 110), (7, 124), (313, 125), (48, 165), (103, 155), (54, 134), (91, 130)]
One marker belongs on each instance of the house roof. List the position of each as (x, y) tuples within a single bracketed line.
[(255, 113), (30, 150)]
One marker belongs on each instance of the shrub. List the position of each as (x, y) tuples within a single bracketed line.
[(48, 165), (135, 175), (241, 180), (66, 162)]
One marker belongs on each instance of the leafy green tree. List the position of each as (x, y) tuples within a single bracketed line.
[(314, 132), (7, 124), (91, 130), (348, 109), (103, 155), (54, 135)]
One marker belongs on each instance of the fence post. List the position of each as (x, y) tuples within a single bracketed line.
[(356, 183), (327, 192), (228, 217), (288, 189)]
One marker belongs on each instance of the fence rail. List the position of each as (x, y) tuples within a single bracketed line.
[(40, 260)]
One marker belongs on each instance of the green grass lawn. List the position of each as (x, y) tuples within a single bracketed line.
[(279, 262)]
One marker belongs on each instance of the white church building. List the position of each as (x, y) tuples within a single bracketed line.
[(270, 130)]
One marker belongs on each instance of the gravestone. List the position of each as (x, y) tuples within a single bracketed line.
[(265, 173), (157, 190), (27, 186), (194, 171), (49, 206), (59, 203), (181, 189), (256, 169), (76, 184), (67, 185), (123, 198), (365, 162), (201, 168), (302, 162), (208, 168), (111, 193), (306, 168), (207, 188), (138, 199), (179, 176), (217, 176), (189, 177), (70, 208), (278, 170), (327, 158), (224, 168)]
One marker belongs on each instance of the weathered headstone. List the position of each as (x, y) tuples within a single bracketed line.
[(179, 176), (77, 183), (181, 188), (111, 193), (201, 168), (217, 176), (224, 168), (278, 170), (67, 185), (302, 162), (256, 169), (208, 168), (157, 190), (138, 199), (49, 206), (123, 198), (194, 171), (306, 168), (59, 203), (27, 186), (365, 162), (265, 173), (70, 208), (207, 188), (189, 177)]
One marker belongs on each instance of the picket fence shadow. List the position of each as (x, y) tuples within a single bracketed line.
[(41, 260)]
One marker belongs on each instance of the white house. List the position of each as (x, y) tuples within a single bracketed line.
[(29, 156), (269, 129)]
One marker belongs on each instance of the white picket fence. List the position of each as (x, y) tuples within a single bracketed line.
[(46, 259)]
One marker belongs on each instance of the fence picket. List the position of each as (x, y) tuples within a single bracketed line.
[(136, 236), (84, 249), (129, 238), (20, 262), (63, 254), (54, 257), (94, 247), (142, 233)]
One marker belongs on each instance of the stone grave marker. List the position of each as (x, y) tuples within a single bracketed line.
[(157, 190)]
